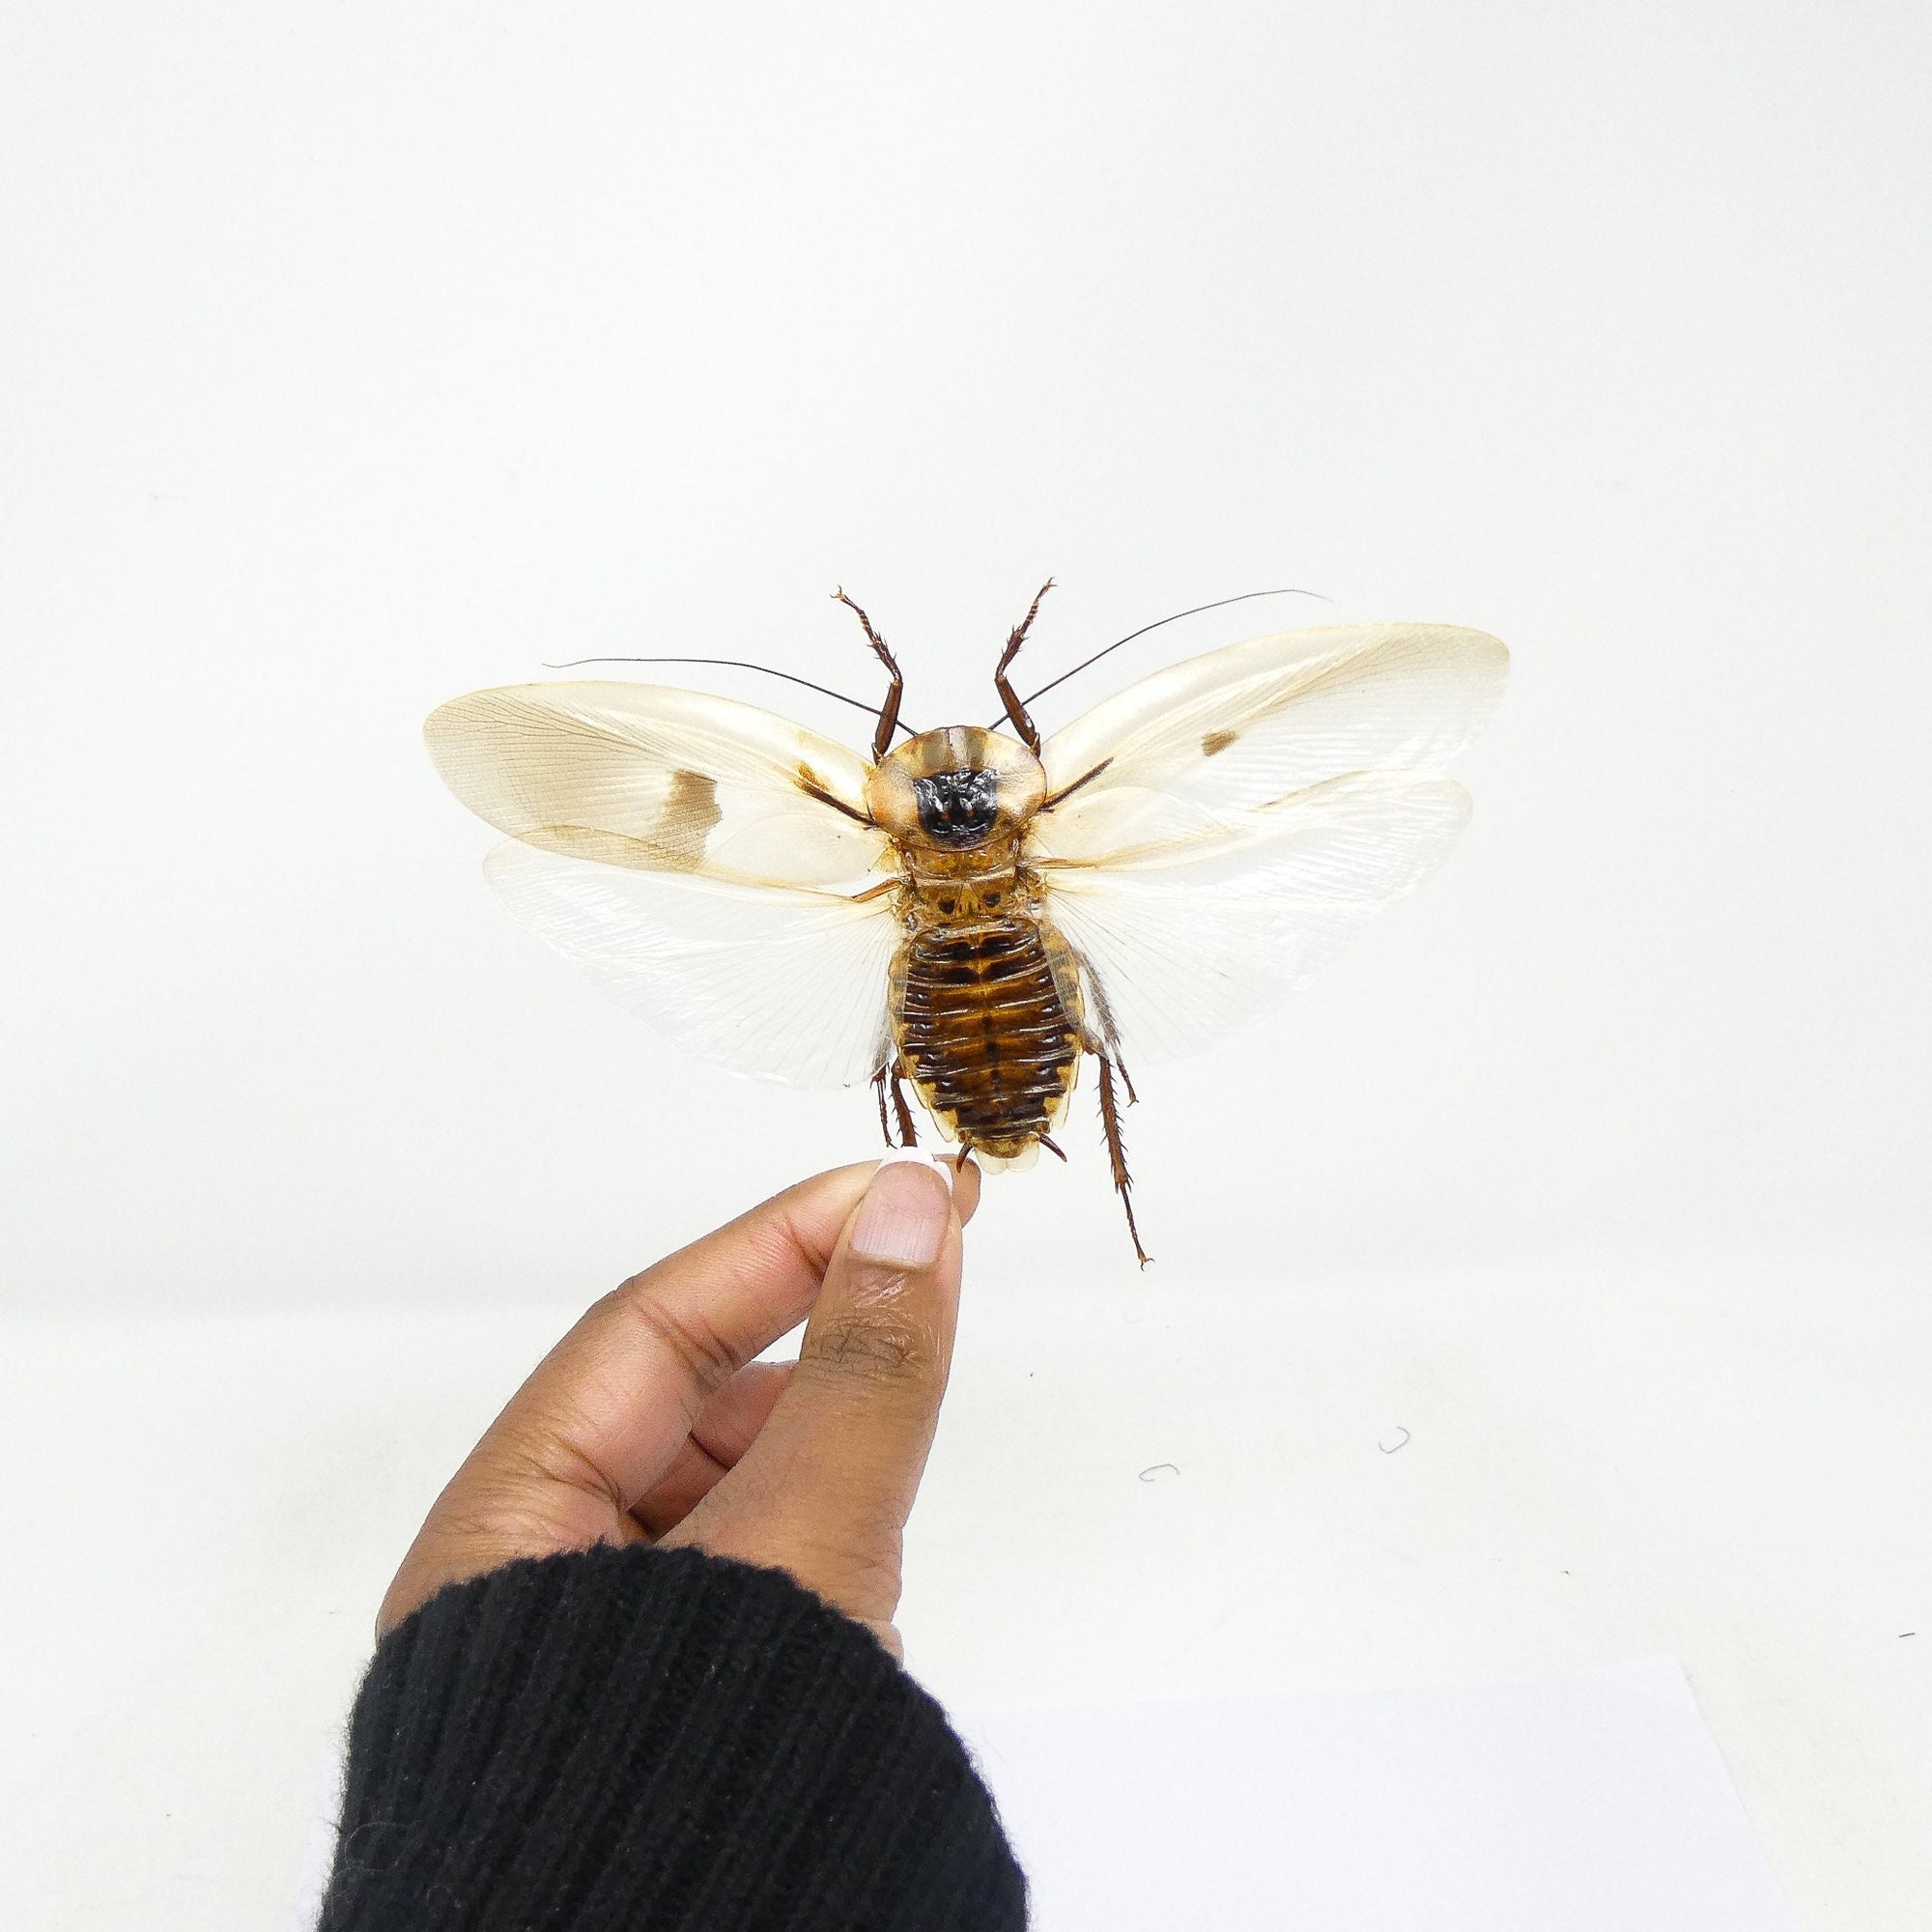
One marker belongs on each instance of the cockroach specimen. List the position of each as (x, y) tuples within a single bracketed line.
[(973, 913)]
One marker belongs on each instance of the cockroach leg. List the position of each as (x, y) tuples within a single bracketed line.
[(879, 1088), (908, 1133), (889, 711), (1009, 696), (1117, 1151)]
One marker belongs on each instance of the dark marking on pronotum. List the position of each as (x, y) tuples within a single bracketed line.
[(958, 809), (1216, 742)]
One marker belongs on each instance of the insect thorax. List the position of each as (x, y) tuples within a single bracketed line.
[(965, 888)]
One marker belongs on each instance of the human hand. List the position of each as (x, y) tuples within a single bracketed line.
[(650, 1422)]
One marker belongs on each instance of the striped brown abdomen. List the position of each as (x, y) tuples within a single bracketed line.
[(987, 1029)]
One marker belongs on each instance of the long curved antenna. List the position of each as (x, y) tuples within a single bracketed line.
[(1034, 697), (739, 663)]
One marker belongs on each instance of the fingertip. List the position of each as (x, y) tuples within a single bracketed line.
[(802, 1224), (907, 1209), (960, 1173)]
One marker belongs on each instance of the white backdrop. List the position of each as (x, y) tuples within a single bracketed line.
[(352, 358)]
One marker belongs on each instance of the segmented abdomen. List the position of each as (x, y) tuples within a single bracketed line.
[(984, 1030)]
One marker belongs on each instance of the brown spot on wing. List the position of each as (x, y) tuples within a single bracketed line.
[(608, 849), (690, 811), (673, 842), (1216, 742)]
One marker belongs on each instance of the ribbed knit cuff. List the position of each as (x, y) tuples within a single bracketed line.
[(656, 1739)]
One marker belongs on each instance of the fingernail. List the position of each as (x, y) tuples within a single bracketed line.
[(903, 1217)]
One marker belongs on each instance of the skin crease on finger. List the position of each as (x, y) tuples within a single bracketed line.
[(536, 1483)]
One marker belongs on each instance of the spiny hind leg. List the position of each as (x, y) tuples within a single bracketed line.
[(1116, 1150), (891, 1076), (908, 1133)]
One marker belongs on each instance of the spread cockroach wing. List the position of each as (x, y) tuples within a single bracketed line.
[(972, 912)]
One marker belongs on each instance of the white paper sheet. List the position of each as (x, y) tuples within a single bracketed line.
[(1592, 1803)]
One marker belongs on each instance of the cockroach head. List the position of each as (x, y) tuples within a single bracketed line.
[(956, 789)]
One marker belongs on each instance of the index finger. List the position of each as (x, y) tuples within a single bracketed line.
[(620, 1393)]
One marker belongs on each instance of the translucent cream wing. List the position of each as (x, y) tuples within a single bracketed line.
[(784, 983), (684, 850), (1184, 943), (1245, 728), (654, 780)]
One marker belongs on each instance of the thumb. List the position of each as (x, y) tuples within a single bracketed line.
[(825, 1488)]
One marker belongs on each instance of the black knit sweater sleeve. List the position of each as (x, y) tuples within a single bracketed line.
[(657, 1741)]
